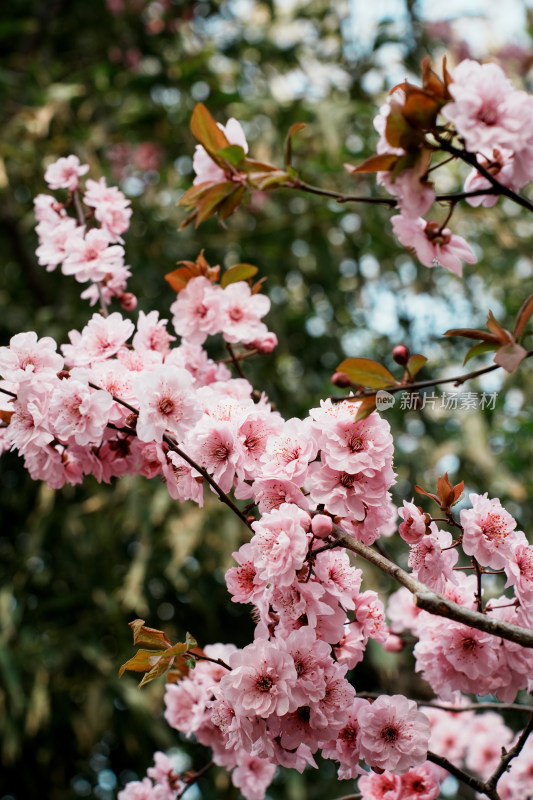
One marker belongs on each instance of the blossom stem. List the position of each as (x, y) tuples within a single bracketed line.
[(81, 219), (195, 777), (235, 361), (478, 595), (218, 661), (460, 709)]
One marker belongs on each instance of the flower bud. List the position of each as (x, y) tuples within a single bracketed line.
[(341, 380), (321, 525), (401, 354)]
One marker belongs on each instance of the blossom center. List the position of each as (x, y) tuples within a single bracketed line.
[(389, 733), (264, 683)]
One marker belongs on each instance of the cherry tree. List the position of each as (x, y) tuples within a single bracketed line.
[(313, 493)]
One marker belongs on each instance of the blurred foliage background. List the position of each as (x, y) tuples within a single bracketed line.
[(115, 82)]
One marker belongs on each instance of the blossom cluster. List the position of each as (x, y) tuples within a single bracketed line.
[(454, 657), (490, 118), (124, 397)]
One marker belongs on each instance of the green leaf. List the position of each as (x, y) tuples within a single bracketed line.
[(478, 349), (239, 272), (415, 363), (206, 131), (234, 154), (365, 372)]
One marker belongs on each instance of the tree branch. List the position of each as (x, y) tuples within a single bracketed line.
[(428, 600), (461, 775), (470, 158), (457, 380), (508, 756)]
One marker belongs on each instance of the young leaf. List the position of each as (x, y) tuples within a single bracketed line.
[(377, 163), (524, 313), (510, 356), (367, 406), (142, 661), (232, 201), (478, 349), (503, 336), (239, 272), (473, 333), (150, 637), (215, 196), (415, 363), (365, 372), (298, 126), (234, 154), (206, 131)]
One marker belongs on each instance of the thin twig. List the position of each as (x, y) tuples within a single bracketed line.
[(234, 360), (508, 756), (412, 387), (470, 158), (218, 661), (460, 774), (194, 778), (460, 709)]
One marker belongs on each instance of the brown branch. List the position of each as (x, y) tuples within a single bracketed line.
[(218, 661), (391, 202), (234, 360), (238, 357), (191, 778), (461, 709), (508, 756), (428, 600), (461, 775), (470, 158)]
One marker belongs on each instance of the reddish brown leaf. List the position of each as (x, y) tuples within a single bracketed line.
[(150, 637), (365, 372), (415, 363), (473, 333), (524, 313), (503, 335), (208, 205), (206, 131), (366, 407), (376, 163), (510, 356), (420, 109), (232, 201)]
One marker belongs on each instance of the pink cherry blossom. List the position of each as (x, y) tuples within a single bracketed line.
[(433, 246), (260, 681), (197, 311), (166, 403), (413, 527), (28, 354), (79, 412), (384, 786), (208, 170), (242, 312), (91, 257), (253, 776), (488, 531), (394, 734), (487, 110), (65, 173)]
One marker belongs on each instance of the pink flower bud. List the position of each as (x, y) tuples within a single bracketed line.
[(321, 525), (393, 644), (341, 380)]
